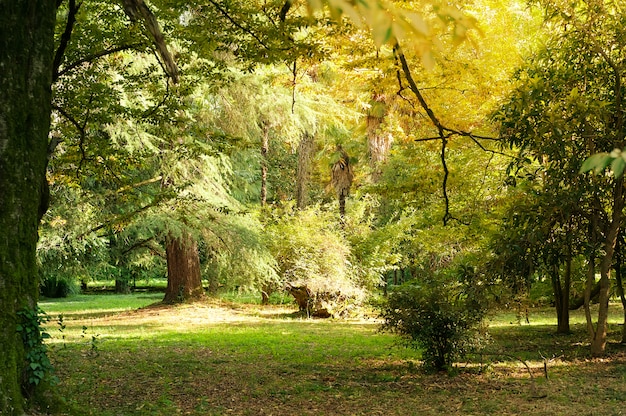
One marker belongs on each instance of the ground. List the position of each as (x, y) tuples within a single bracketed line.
[(220, 358)]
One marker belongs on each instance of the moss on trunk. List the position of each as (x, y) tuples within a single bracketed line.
[(26, 54)]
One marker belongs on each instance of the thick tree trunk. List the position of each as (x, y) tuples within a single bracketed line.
[(305, 154), (26, 56), (184, 282)]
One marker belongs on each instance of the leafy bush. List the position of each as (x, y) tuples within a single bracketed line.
[(55, 286), (313, 259), (436, 318)]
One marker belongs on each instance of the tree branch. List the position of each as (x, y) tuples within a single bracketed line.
[(138, 9), (97, 55), (65, 38), (444, 133), (237, 24)]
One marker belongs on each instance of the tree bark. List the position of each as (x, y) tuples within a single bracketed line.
[(561, 289), (305, 154), (184, 282), (26, 56), (265, 144), (342, 176), (598, 343)]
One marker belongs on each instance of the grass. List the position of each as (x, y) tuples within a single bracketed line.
[(222, 358)]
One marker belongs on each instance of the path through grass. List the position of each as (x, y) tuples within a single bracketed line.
[(218, 358)]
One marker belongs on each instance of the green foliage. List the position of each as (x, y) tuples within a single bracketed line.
[(311, 251), (55, 286), (37, 368), (441, 320), (600, 161)]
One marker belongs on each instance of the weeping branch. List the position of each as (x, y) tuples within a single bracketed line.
[(444, 133)]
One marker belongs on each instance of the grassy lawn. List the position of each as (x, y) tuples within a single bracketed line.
[(119, 356)]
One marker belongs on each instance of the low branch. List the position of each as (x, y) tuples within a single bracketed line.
[(119, 219)]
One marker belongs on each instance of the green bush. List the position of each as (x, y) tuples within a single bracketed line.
[(438, 319), (54, 286)]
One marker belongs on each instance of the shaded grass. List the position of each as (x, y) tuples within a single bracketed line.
[(219, 359)]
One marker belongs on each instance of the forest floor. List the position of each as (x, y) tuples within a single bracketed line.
[(118, 355)]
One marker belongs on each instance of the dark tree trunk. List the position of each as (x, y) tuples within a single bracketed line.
[(119, 258), (561, 288), (184, 282), (26, 56), (122, 285), (305, 154)]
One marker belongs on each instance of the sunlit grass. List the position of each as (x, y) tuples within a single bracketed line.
[(221, 358)]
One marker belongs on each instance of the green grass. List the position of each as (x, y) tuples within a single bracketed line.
[(220, 358), (77, 306)]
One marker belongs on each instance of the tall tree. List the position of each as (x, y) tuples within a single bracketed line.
[(568, 105), (26, 56)]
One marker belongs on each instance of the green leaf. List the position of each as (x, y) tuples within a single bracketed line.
[(618, 166), (597, 163)]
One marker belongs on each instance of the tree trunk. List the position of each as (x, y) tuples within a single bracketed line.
[(26, 56), (119, 258), (184, 282), (342, 179), (561, 296), (265, 143), (305, 154), (620, 286), (598, 343), (378, 143)]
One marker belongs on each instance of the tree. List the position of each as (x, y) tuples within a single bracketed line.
[(566, 106), (26, 56)]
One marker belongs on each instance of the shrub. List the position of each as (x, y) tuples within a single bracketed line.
[(55, 286), (436, 318)]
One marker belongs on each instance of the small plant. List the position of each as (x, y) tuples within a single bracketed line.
[(444, 324), (37, 367), (94, 342), (62, 326)]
